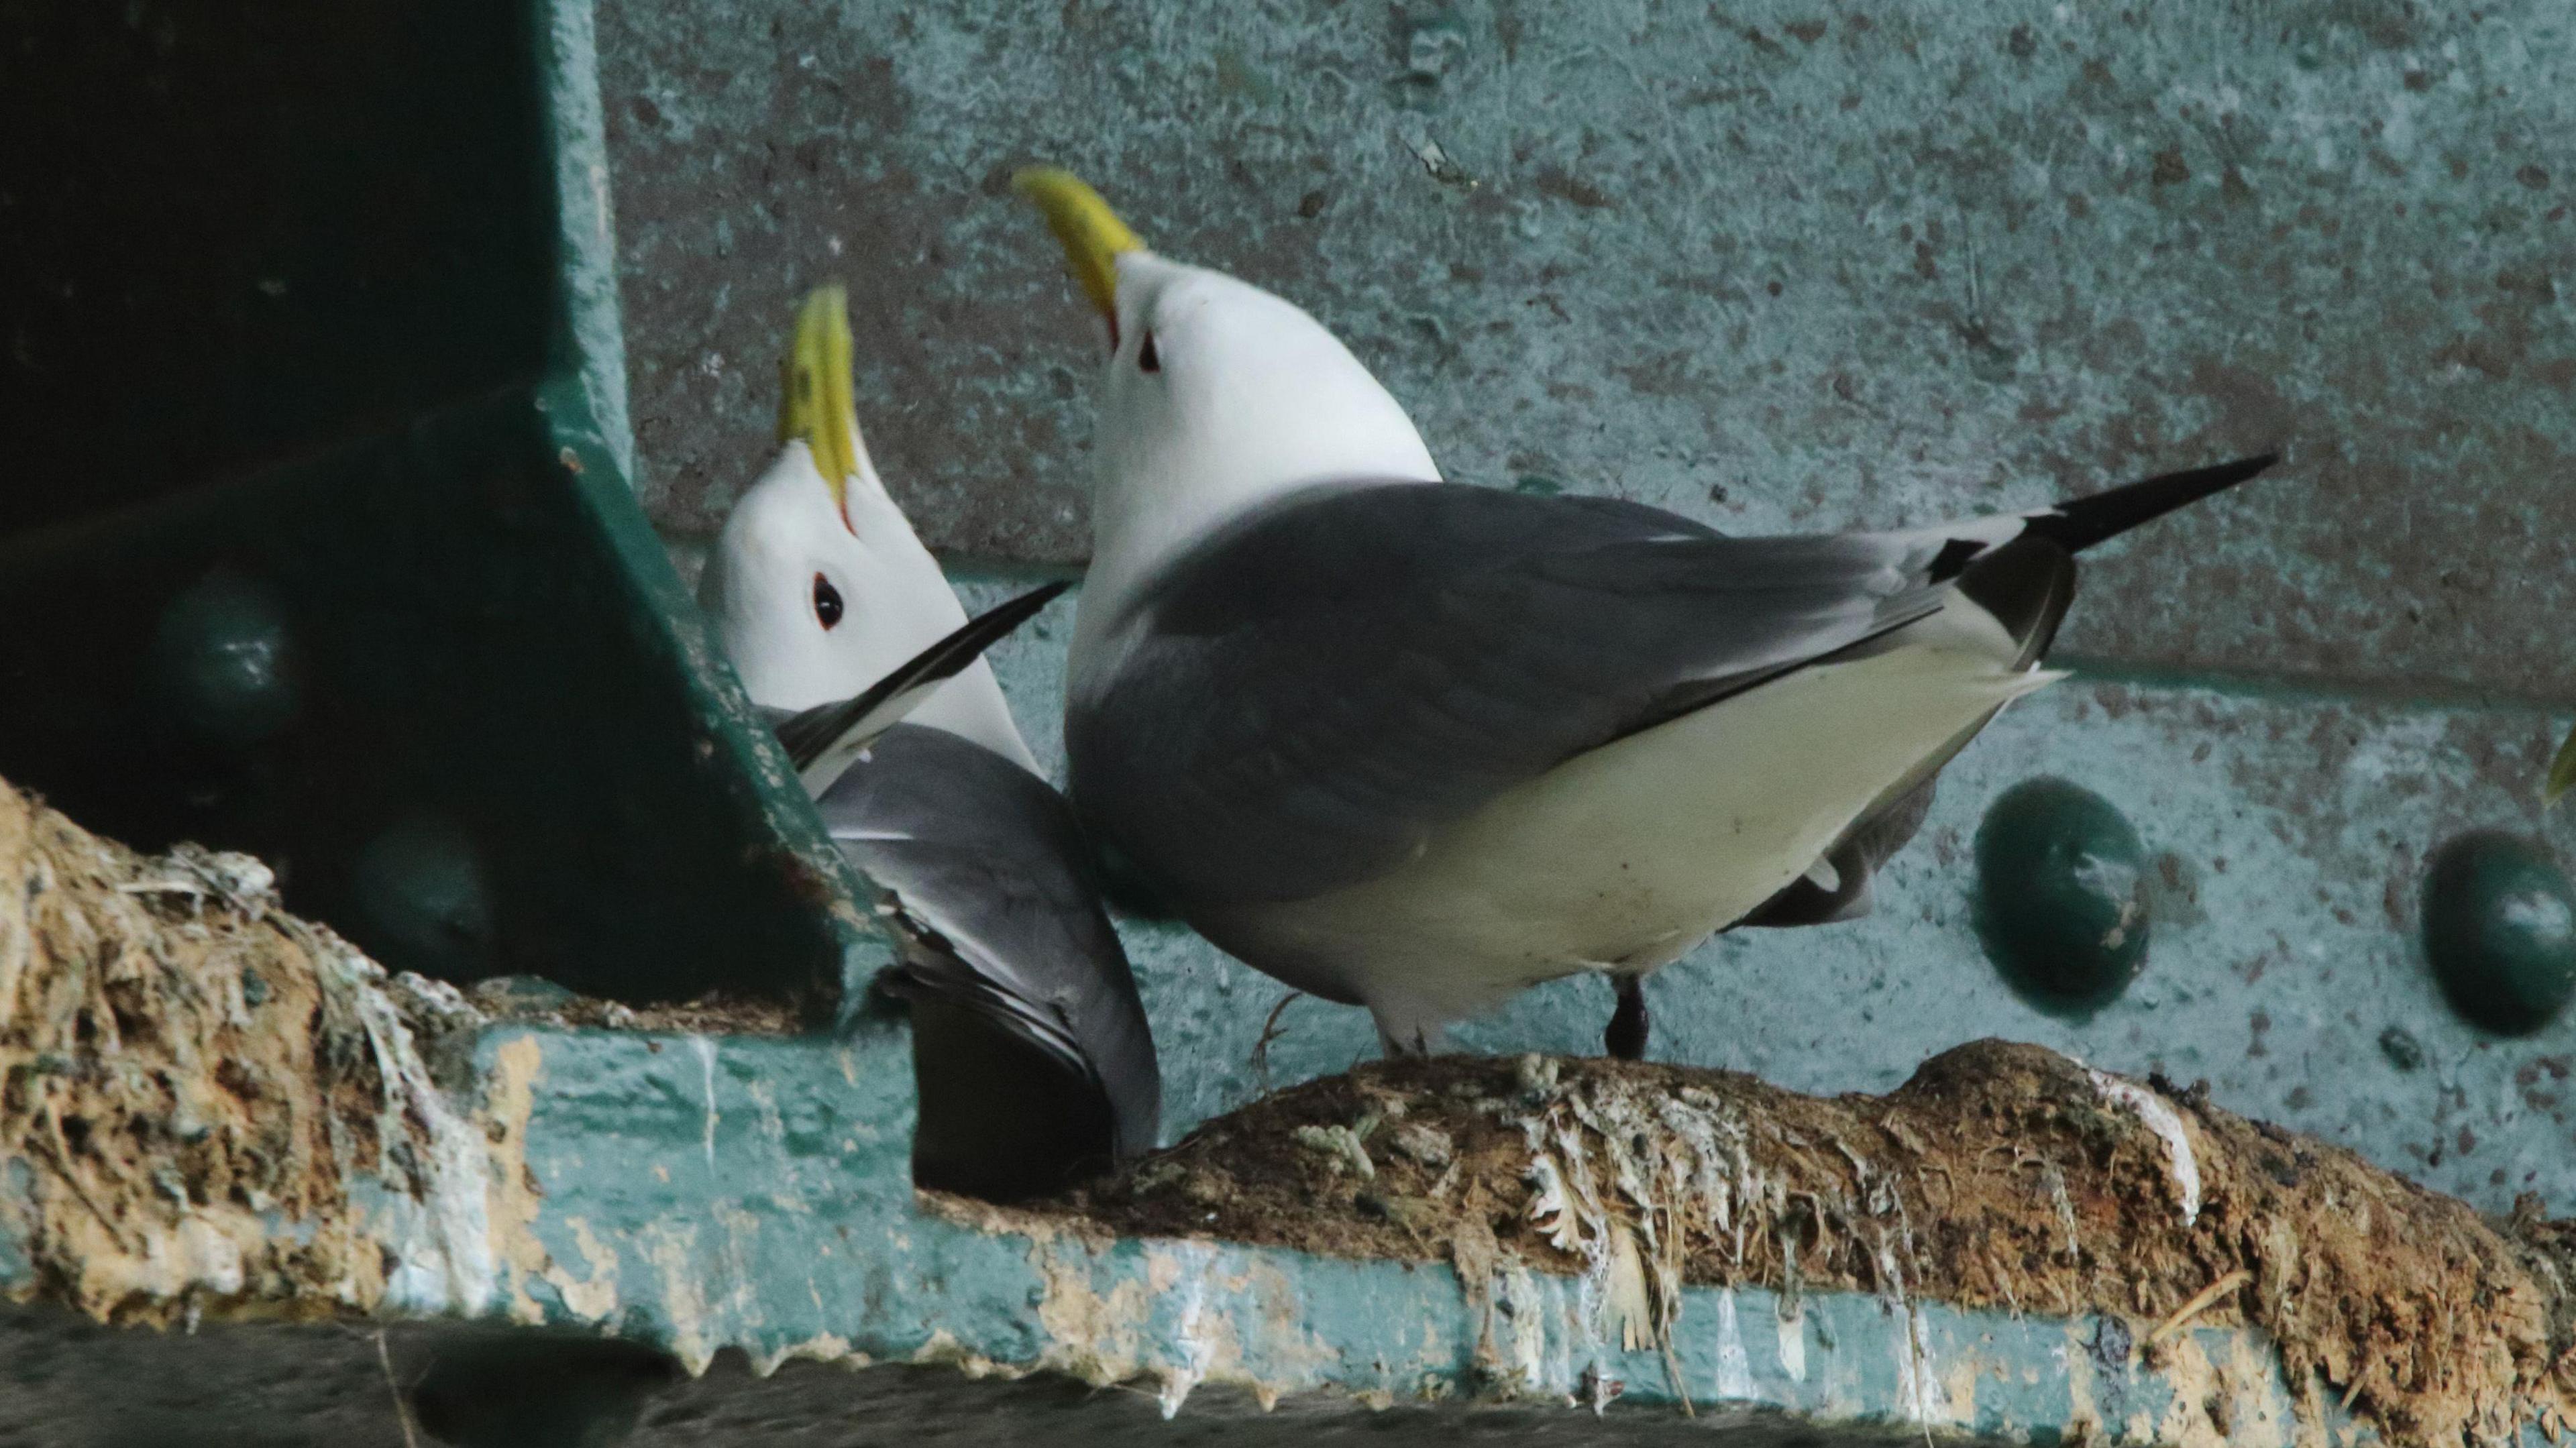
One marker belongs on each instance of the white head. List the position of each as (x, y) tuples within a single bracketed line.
[(1216, 396), (818, 586)]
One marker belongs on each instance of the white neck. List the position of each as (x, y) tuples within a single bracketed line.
[(1174, 471), (970, 705)]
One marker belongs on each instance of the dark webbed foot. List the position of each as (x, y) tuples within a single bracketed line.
[(1625, 1039)]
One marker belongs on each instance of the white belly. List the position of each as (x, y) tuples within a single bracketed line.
[(1627, 857)]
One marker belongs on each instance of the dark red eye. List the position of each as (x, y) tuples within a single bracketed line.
[(827, 601), (1147, 359)]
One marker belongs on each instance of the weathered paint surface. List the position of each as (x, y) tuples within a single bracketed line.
[(703, 1195), (270, 1384), (745, 1196), (2037, 245), (1773, 263)]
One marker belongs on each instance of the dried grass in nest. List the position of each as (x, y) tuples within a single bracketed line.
[(182, 1067), (209, 1101), (2001, 1176)]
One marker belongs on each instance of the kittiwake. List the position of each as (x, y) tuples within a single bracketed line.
[(1417, 746), (1032, 1058)]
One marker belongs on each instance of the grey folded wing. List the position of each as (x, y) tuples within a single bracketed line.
[(1298, 702), (986, 868)]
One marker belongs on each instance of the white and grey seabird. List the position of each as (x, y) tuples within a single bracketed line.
[(1031, 1053), (1416, 746)]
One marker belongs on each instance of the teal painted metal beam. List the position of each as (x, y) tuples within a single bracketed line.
[(717, 1195), (384, 1152)]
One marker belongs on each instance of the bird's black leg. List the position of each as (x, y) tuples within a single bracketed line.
[(1625, 1038)]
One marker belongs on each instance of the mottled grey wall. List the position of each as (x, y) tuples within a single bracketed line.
[(1772, 264)]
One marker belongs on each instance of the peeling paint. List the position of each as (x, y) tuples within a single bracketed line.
[(594, 1297), (1734, 1368), (510, 1189)]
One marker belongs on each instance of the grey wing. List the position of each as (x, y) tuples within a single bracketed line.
[(2025, 585), (986, 864), (1298, 703)]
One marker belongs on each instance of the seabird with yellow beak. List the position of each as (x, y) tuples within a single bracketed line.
[(817, 583), (1031, 1054), (1416, 746)]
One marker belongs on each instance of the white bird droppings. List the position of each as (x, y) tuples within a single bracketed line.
[(2166, 1123)]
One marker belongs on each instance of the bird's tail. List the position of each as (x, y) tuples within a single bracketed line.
[(2027, 584), (2079, 523)]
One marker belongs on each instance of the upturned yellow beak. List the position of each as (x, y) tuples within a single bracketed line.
[(814, 391), (1093, 236)]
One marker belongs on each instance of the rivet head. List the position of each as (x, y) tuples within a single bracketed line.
[(2499, 926), (421, 890), (2061, 895), (222, 661)]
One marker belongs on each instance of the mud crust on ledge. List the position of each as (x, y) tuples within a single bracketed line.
[(186, 1066), (715, 1014), (209, 1105), (2001, 1176)]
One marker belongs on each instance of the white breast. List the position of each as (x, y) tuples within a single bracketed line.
[(1629, 856)]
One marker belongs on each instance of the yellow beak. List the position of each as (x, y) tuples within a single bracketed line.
[(1093, 236), (814, 391)]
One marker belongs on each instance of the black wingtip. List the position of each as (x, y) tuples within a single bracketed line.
[(814, 731), (2027, 585), (2079, 523)]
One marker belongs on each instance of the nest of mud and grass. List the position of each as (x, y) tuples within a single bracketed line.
[(184, 1066), (2001, 1176), (182, 1063)]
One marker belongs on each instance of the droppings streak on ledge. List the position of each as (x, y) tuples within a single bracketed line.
[(188, 1067), (2001, 1176)]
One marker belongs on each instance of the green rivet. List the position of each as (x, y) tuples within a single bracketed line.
[(420, 887), (2500, 931), (222, 661), (2061, 902)]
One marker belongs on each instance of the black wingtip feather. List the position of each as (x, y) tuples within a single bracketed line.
[(2027, 584), (2079, 523), (808, 734)]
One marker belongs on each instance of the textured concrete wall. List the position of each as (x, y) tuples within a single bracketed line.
[(1775, 263)]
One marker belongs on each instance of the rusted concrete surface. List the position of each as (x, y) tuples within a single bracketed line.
[(1775, 263)]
